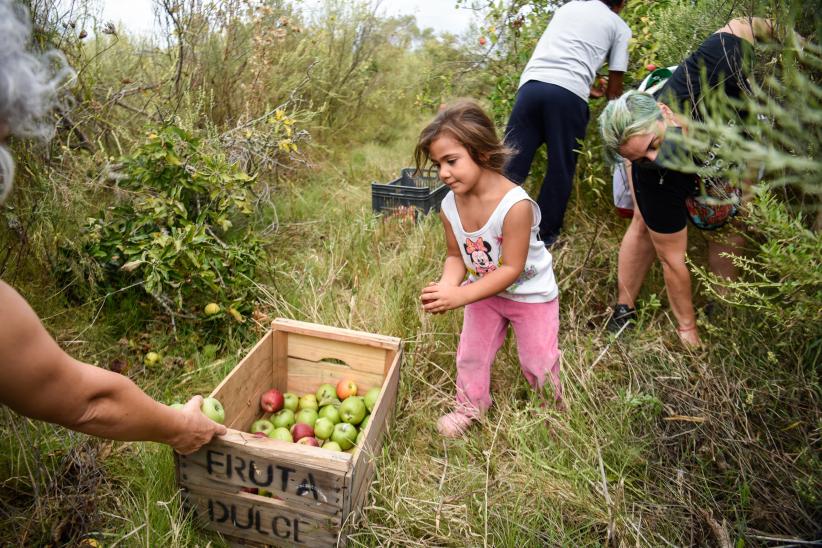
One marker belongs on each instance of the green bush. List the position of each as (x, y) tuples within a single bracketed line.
[(180, 230)]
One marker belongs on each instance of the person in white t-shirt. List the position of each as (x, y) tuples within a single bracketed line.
[(491, 230), (552, 100)]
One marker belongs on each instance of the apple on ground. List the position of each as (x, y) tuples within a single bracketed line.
[(211, 309), (281, 434), (309, 401), (332, 446), (352, 410), (323, 428), (331, 413), (272, 401), (306, 416), (371, 398), (301, 430), (309, 441), (151, 358), (263, 426), (345, 435), (346, 388), (283, 419), (326, 391), (291, 401), (213, 409)]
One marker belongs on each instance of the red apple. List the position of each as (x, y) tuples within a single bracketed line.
[(309, 440), (272, 401), (482, 41), (301, 430), (650, 67), (260, 434), (252, 490), (346, 388)]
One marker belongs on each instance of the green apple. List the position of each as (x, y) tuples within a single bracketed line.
[(351, 450), (283, 418), (365, 422), (151, 358), (213, 409), (371, 398), (323, 428), (306, 416), (352, 410), (291, 401), (326, 392), (332, 446), (309, 401), (263, 426), (281, 433), (345, 434), (331, 413), (176, 405), (360, 437)]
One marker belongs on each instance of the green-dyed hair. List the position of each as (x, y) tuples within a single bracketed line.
[(634, 113)]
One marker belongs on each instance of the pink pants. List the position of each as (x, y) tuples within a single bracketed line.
[(483, 331)]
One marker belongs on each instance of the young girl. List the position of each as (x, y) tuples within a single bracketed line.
[(491, 228)]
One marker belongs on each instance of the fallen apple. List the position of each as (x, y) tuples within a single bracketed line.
[(352, 410), (344, 434), (309, 401), (332, 446), (331, 413), (323, 428), (309, 441), (281, 434), (326, 392), (264, 426), (151, 358), (211, 309), (301, 430), (272, 401), (213, 409), (291, 401), (371, 398), (283, 418), (346, 388), (306, 416)]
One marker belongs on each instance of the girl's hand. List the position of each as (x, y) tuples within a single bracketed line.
[(438, 298)]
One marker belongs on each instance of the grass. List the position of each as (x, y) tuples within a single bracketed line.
[(661, 446)]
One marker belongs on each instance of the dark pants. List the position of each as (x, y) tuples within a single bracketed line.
[(545, 113)]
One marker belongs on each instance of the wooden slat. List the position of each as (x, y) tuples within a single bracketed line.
[(337, 334), (306, 477), (259, 519), (362, 471), (356, 356), (280, 360), (304, 377), (240, 391)]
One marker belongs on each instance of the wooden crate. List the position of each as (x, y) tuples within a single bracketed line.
[(318, 492)]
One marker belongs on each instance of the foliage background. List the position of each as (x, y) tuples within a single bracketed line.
[(291, 118)]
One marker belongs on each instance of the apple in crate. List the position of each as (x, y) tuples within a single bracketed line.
[(264, 426), (345, 435), (308, 440), (291, 401), (323, 428), (364, 422), (306, 416), (301, 430), (330, 412), (213, 409), (283, 419), (371, 398), (281, 434), (352, 410), (332, 446), (272, 401), (346, 388), (326, 393), (309, 401)]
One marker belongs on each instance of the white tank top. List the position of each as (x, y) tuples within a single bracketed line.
[(482, 250)]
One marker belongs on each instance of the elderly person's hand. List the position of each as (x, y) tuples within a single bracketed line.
[(198, 429)]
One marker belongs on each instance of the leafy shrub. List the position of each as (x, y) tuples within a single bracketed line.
[(180, 231)]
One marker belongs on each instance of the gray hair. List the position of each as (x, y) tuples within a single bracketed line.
[(634, 113), (30, 85)]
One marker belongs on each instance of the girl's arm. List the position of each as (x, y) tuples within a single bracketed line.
[(453, 272), (516, 231)]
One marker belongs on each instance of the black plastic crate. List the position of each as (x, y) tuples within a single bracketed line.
[(423, 192)]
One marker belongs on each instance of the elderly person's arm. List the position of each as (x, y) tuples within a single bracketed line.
[(39, 380), (671, 250)]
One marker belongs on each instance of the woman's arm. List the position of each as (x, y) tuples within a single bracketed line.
[(39, 380), (516, 231), (671, 249)]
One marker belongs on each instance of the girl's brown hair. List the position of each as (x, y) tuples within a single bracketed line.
[(466, 122)]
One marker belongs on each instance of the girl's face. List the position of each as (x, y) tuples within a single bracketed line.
[(645, 146), (454, 164)]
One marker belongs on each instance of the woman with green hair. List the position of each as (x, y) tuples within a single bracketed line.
[(643, 131)]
